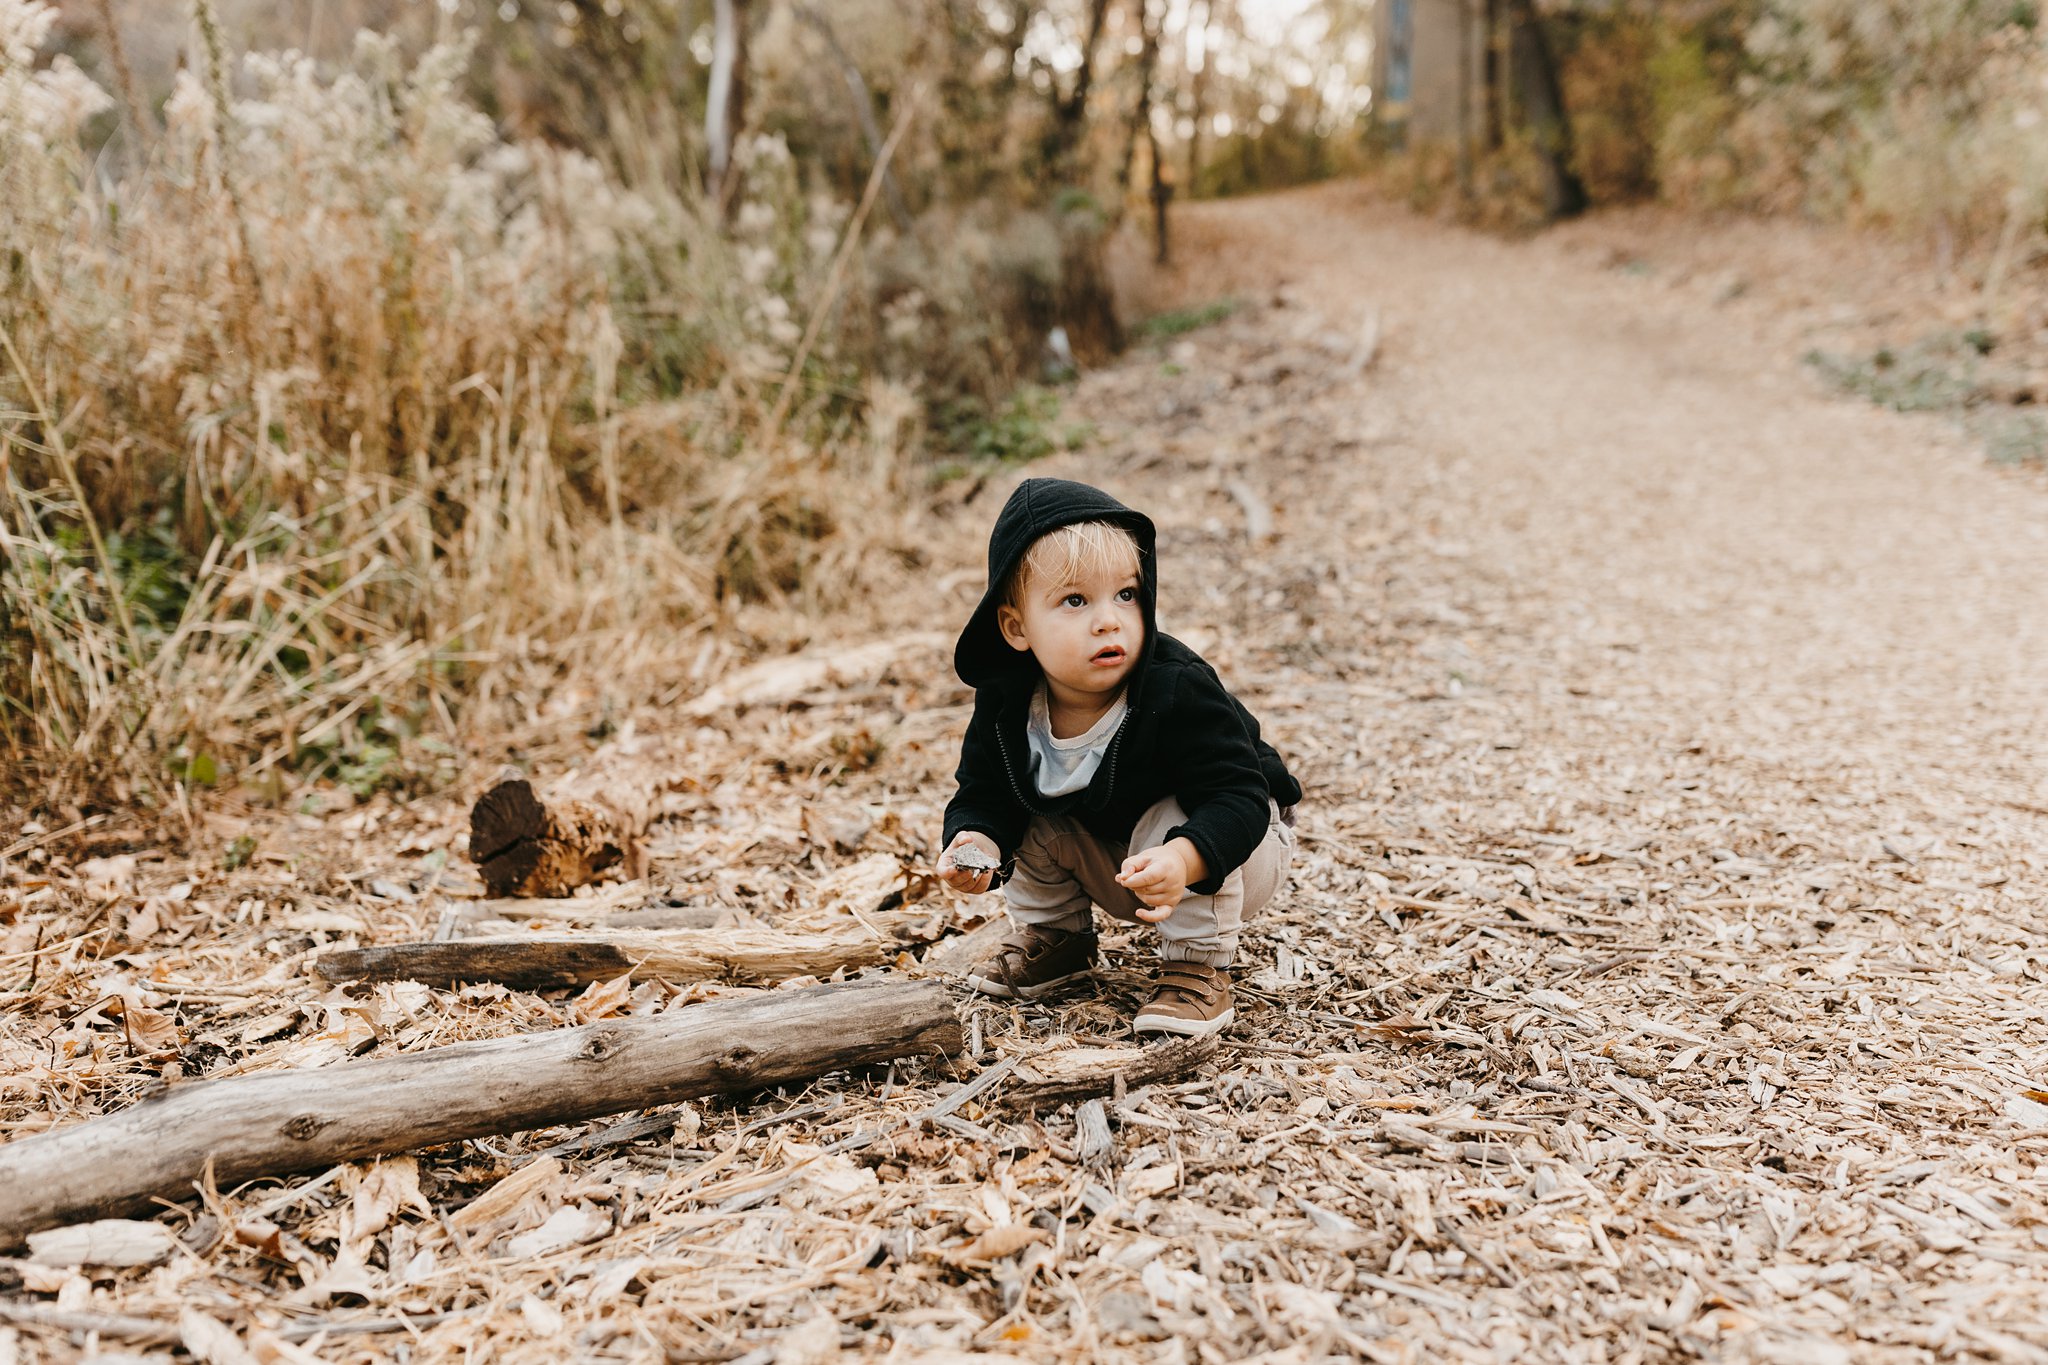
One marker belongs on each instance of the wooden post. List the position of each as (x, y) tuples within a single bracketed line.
[(248, 1126)]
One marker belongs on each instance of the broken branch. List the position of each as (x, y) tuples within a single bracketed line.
[(249, 1126)]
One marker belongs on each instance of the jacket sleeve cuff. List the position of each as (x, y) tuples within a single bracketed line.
[(1212, 883)]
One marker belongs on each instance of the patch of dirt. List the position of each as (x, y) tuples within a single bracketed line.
[(1660, 974)]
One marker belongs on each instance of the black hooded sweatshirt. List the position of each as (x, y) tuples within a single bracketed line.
[(1183, 735)]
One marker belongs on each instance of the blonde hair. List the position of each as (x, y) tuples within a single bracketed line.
[(1067, 553)]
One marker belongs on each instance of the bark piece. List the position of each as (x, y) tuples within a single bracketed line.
[(249, 1126), (549, 961), (525, 848), (108, 1242), (953, 955), (1078, 1073), (1093, 1142)]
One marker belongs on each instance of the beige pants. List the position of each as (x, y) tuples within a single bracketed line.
[(1062, 869)]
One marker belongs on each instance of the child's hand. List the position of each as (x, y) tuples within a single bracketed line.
[(1159, 877), (973, 881)]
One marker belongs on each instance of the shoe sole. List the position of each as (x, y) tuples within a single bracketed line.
[(988, 986), (1186, 1028)]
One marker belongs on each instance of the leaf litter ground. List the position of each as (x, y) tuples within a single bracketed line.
[(1661, 974)]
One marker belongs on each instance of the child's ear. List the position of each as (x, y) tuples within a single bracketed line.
[(1011, 622)]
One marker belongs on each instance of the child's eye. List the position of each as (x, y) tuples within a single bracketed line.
[(1073, 599), (1127, 595)]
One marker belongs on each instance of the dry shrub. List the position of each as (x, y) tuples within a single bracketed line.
[(1921, 113), (318, 414)]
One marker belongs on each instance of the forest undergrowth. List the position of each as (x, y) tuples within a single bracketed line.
[(338, 425)]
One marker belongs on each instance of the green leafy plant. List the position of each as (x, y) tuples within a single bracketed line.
[(1181, 321)]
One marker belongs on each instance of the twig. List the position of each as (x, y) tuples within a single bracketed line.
[(147, 1330), (838, 270), (618, 1135), (300, 1331), (977, 1086), (23, 845), (1472, 1252), (53, 432), (134, 113), (1258, 518)]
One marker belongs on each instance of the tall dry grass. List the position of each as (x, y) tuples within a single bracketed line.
[(336, 415)]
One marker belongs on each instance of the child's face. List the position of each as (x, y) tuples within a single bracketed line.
[(1086, 632)]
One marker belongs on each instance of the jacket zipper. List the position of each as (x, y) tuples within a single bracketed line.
[(1030, 806), (1024, 798)]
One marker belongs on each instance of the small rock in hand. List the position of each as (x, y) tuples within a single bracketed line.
[(968, 858)]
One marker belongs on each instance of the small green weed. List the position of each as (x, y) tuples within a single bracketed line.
[(1945, 373), (1925, 377), (2012, 437), (238, 853), (1181, 321), (1025, 427)]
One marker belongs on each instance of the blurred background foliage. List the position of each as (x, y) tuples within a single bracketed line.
[(373, 367)]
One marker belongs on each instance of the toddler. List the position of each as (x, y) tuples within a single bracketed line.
[(1106, 765)]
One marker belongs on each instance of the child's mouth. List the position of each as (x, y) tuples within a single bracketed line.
[(1112, 655)]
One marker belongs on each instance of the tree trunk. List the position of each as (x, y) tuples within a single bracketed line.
[(1198, 93), (725, 106), (1013, 43), (1070, 114), (1532, 72), (243, 1127), (1162, 191), (1141, 112)]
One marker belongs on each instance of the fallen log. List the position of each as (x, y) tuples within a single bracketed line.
[(525, 848), (1082, 1072), (249, 1126), (536, 962)]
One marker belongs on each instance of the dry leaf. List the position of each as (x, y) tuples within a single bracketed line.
[(567, 1226), (1399, 1026), (1005, 1239), (813, 1343), (542, 1317), (271, 1349), (1417, 1215), (212, 1341), (505, 1196), (151, 1033), (1153, 1180), (602, 999), (108, 879), (2032, 1113), (380, 1192)]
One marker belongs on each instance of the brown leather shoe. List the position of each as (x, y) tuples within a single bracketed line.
[(1034, 961), (1188, 998)]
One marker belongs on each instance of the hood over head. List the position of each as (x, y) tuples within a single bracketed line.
[(1040, 505)]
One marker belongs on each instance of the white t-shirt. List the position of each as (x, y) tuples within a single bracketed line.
[(1061, 767)]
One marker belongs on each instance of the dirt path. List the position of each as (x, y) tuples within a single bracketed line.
[(1754, 682), (1663, 975)]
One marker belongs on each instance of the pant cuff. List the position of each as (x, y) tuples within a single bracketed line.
[(1072, 922), (1198, 953)]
